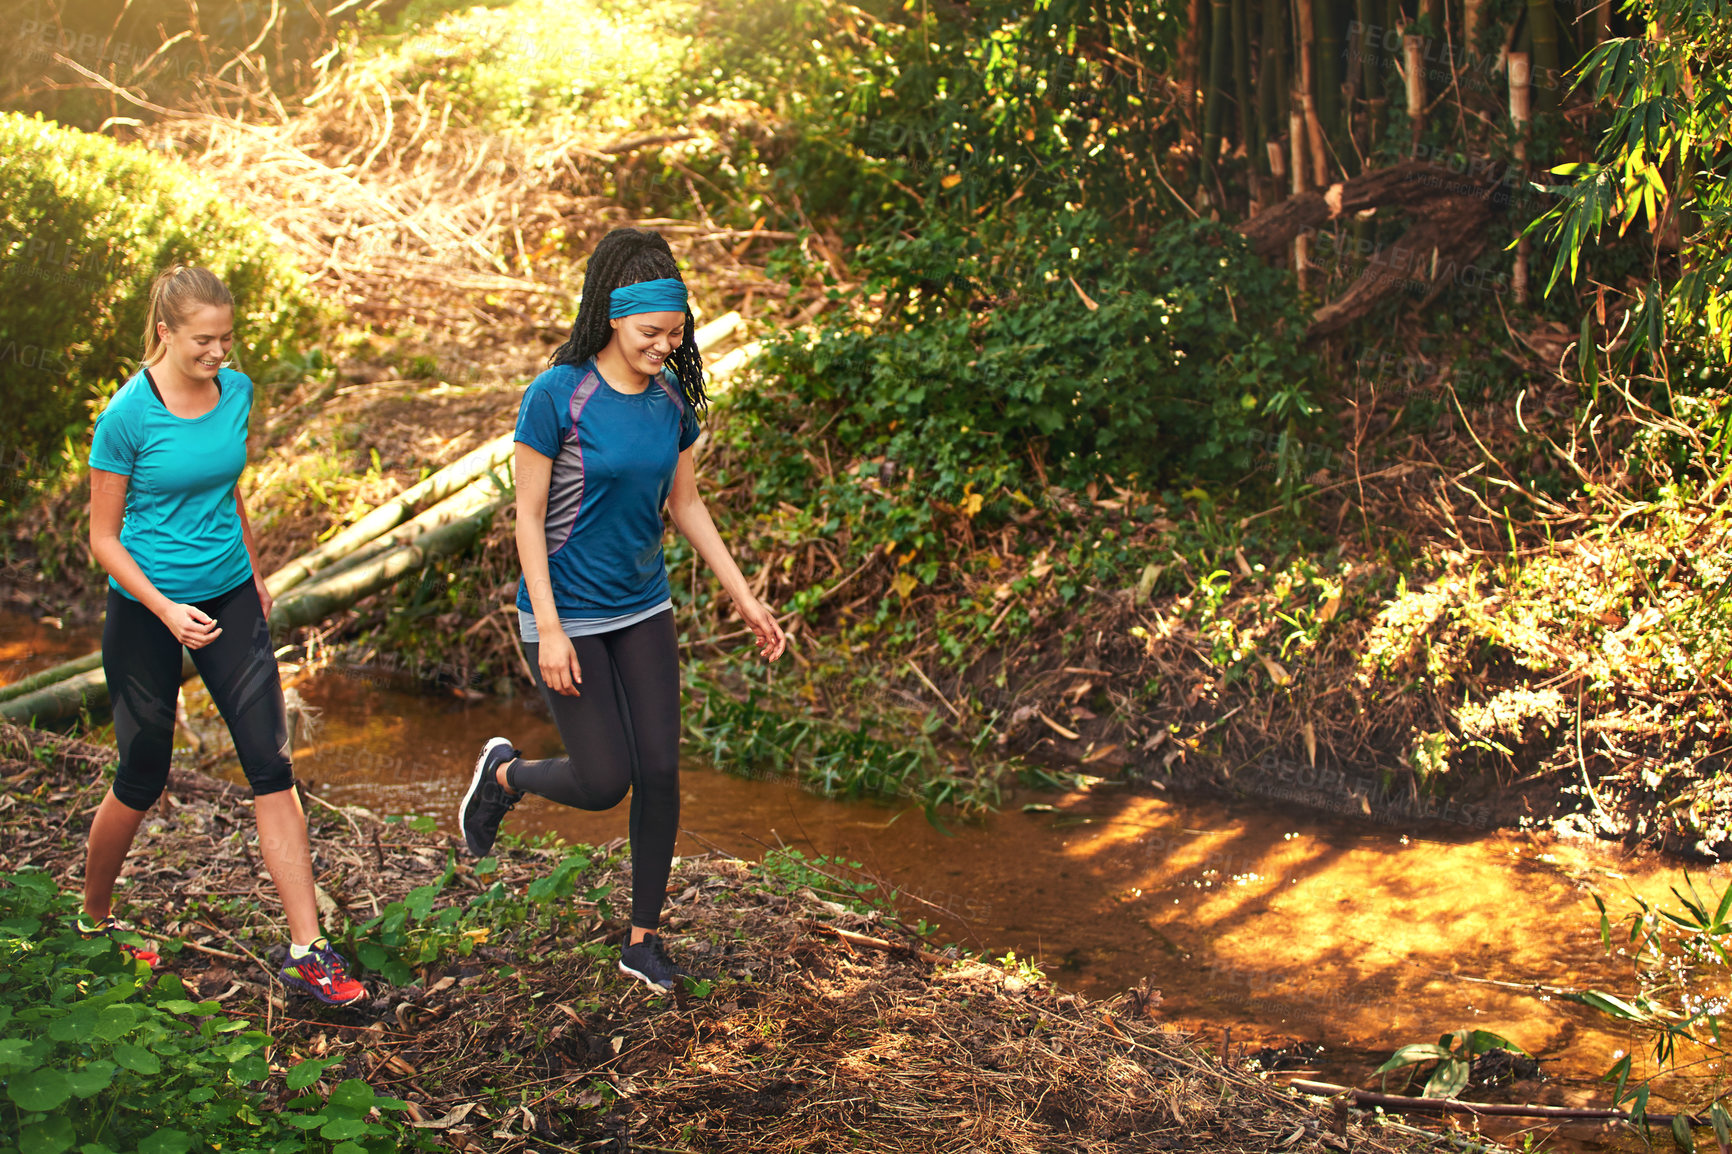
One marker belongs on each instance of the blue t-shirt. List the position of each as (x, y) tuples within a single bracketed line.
[(180, 523), (613, 457)]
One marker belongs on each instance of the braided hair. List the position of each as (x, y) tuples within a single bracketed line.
[(628, 256)]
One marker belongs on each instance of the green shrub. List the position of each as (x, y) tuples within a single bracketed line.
[(1048, 342), (85, 225), (93, 1055)]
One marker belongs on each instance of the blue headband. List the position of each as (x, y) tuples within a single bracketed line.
[(667, 295)]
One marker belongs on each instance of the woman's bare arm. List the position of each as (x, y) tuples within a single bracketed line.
[(692, 518)]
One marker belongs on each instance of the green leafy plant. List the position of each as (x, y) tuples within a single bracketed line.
[(1679, 1000), (409, 935), (1453, 1054), (97, 1056)]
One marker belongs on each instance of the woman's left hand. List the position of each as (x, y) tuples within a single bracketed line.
[(265, 598), (771, 640)]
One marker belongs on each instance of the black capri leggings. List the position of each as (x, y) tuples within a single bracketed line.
[(141, 660), (621, 732)]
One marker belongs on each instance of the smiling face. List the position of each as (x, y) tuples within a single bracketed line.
[(644, 341), (197, 347)]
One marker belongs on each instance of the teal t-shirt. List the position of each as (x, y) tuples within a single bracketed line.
[(180, 525)]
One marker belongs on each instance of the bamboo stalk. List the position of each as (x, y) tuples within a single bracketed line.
[(1220, 45), (1328, 62), (1472, 15), (1413, 59), (1543, 25), (1453, 1106), (1520, 112), (1296, 143), (460, 504), (1272, 83), (1248, 122), (1305, 33), (1370, 68)]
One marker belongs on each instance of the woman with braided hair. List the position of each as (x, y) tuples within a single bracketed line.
[(604, 440)]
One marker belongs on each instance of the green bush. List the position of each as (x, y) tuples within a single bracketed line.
[(85, 225), (93, 1055), (1047, 342)]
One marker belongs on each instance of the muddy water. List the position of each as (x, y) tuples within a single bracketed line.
[(29, 645), (1256, 924)]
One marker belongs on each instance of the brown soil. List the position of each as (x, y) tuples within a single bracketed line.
[(816, 1028)]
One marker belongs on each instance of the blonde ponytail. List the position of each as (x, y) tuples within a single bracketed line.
[(175, 293)]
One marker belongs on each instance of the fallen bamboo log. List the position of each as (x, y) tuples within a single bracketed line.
[(463, 503), (458, 475), (66, 699), (1400, 1103), (50, 675)]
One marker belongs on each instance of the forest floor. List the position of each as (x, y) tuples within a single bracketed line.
[(811, 1024)]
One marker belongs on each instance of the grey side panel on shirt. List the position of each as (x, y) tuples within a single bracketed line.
[(587, 626), (565, 486)]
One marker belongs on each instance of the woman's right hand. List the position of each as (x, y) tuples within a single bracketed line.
[(191, 626), (559, 668)]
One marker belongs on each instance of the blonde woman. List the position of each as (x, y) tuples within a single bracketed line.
[(168, 524)]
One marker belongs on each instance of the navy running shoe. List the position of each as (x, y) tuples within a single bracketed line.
[(649, 963), (487, 802)]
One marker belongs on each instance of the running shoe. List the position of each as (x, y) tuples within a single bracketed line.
[(108, 927), (487, 802), (648, 962), (322, 973)]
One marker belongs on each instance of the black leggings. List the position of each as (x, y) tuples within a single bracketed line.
[(621, 732), (141, 660)]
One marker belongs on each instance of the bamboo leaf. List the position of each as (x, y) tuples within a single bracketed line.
[(1409, 1055), (1608, 1004)]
